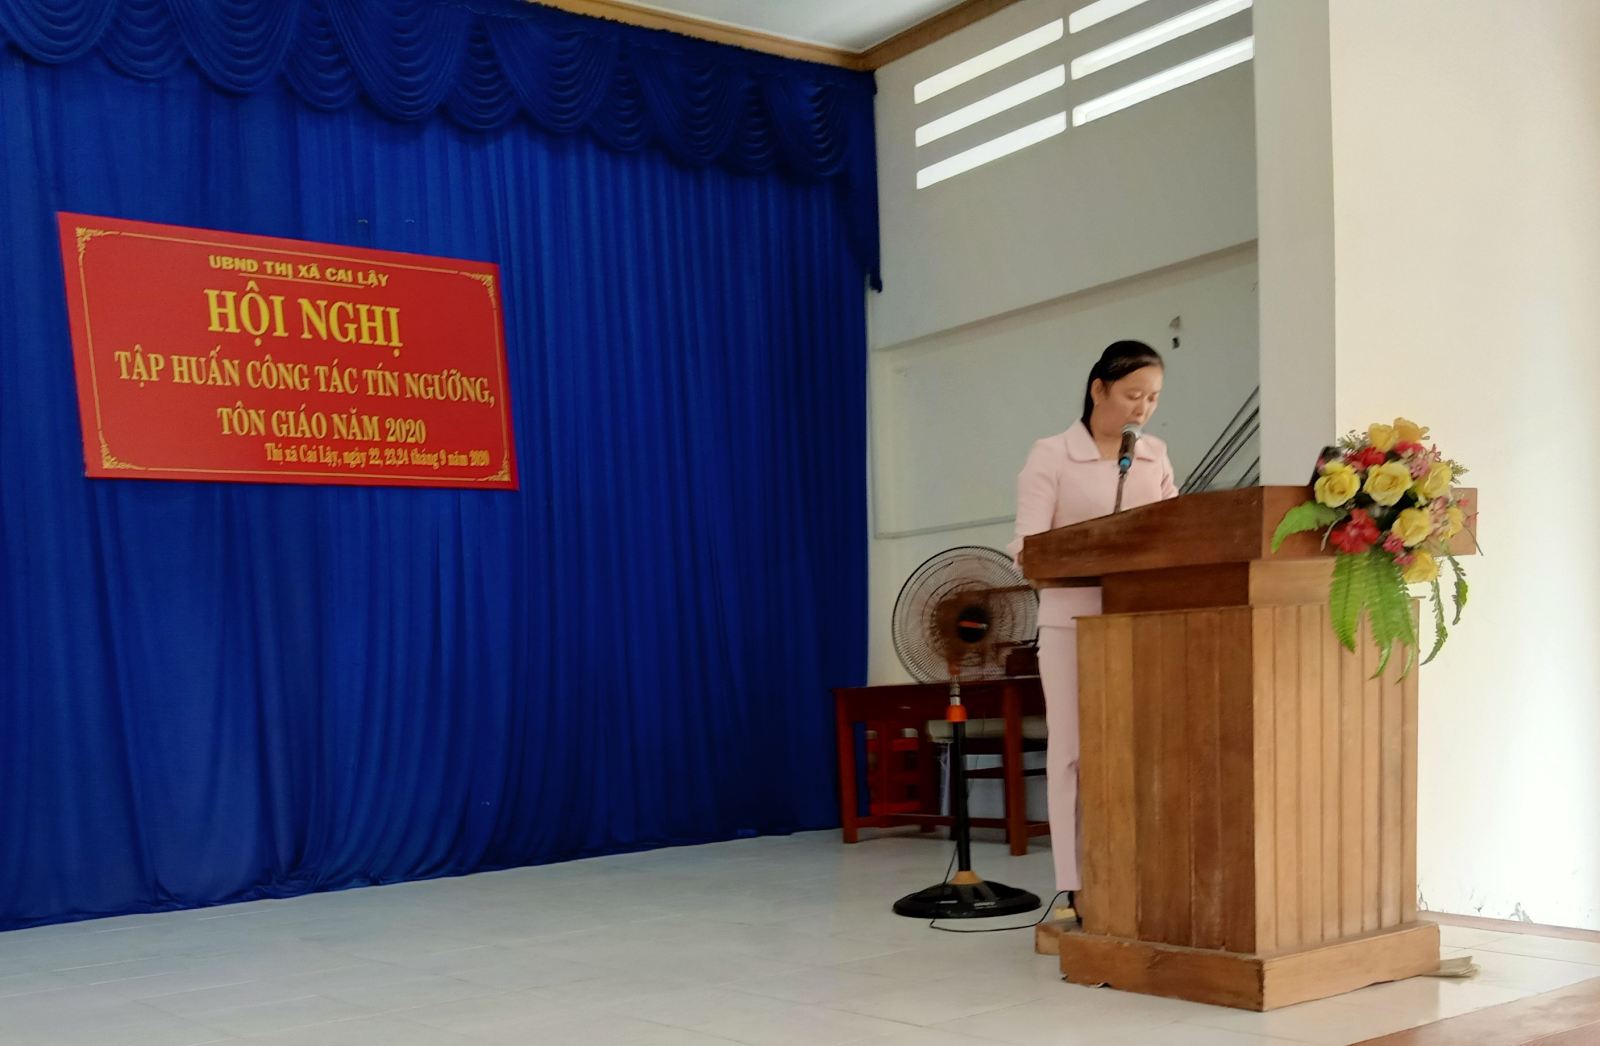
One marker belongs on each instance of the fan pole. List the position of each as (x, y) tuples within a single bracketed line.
[(955, 613), (967, 895), (962, 829)]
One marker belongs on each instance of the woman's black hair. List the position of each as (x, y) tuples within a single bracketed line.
[(1120, 359)]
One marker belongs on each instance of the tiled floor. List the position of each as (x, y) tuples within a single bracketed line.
[(766, 941), (1565, 1017)]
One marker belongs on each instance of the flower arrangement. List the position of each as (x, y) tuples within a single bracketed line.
[(1387, 504)]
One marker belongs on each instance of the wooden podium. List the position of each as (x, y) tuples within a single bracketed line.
[(1248, 793)]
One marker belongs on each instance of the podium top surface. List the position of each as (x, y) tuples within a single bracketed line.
[(1210, 529)]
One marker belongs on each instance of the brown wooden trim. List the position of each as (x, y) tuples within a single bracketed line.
[(716, 32), (1250, 982), (1475, 922), (932, 31), (898, 46), (1209, 529), (1344, 966)]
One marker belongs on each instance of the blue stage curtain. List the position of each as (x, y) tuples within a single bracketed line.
[(486, 63), (217, 692)]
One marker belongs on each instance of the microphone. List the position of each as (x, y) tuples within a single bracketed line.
[(1130, 436)]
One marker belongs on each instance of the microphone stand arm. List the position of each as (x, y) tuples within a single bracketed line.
[(1130, 439)]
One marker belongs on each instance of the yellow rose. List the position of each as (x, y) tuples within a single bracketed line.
[(1388, 483), (1413, 525), (1381, 436), (1338, 484), (1454, 521), (1423, 568), (1436, 484), (1408, 431)]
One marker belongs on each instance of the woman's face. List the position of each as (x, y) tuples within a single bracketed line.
[(1130, 400)]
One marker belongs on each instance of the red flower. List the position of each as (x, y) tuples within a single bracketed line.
[(1393, 544), (1356, 534), (1407, 449), (1369, 457)]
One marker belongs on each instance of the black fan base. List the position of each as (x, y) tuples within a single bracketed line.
[(978, 900)]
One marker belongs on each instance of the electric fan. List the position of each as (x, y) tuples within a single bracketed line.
[(956, 618)]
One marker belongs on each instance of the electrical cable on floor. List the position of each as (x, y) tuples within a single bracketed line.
[(933, 924)]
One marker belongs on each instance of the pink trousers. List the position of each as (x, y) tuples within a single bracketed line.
[(1058, 672)]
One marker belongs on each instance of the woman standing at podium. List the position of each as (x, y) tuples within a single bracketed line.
[(1068, 478)]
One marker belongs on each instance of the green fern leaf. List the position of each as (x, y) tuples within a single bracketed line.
[(1440, 632), (1411, 660), (1390, 610), (1381, 614), (1311, 515), (1344, 599), (1461, 589)]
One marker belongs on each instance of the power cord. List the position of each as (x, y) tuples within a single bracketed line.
[(934, 924)]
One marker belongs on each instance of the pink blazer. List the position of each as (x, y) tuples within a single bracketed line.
[(1066, 481)]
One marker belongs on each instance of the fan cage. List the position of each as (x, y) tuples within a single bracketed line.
[(970, 583)]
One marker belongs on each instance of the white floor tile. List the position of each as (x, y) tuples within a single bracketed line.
[(63, 1022), (1075, 1023), (156, 975), (595, 1030), (384, 995), (364, 1031), (802, 1026), (1039, 977), (791, 946), (530, 970), (1433, 998), (478, 1017), (1327, 1022), (925, 1004), (1545, 948), (924, 1037), (1192, 1035), (599, 992), (31, 983), (696, 1008), (823, 986), (281, 1015), (762, 941), (196, 1004), (916, 965), (1527, 973), (1466, 936)]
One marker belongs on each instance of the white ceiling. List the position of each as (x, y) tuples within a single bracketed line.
[(853, 25)]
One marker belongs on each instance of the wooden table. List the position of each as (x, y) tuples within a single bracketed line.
[(913, 705)]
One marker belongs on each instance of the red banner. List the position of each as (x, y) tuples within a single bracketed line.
[(207, 355)]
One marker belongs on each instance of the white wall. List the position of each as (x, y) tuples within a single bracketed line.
[(1294, 178), (1162, 182), (1466, 152), (1003, 285)]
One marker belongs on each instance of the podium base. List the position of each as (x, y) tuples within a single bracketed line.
[(1250, 982)]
